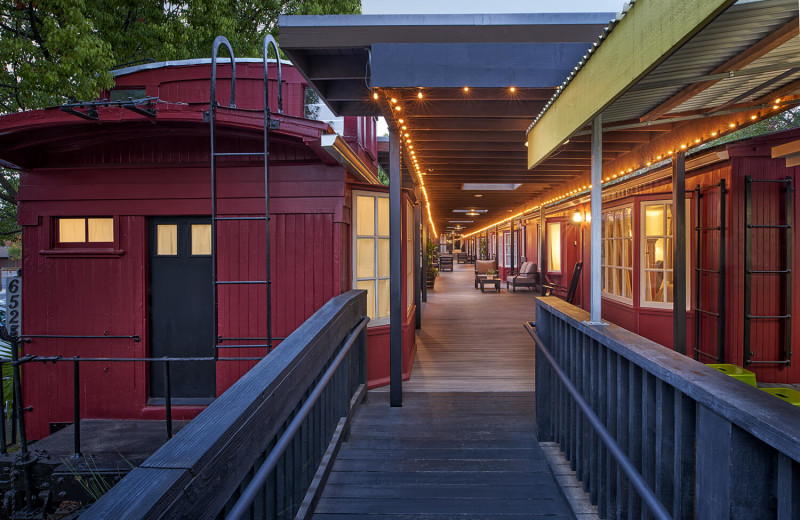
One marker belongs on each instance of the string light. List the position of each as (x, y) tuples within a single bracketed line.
[(513, 89), (466, 89), (374, 95), (419, 95)]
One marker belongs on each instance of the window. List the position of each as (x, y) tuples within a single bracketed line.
[(410, 255), (657, 254), (85, 232), (616, 254), (201, 239), (371, 252), (126, 94), (167, 238), (554, 247)]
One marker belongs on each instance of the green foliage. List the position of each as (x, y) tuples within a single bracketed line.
[(430, 254), (383, 176), (484, 249)]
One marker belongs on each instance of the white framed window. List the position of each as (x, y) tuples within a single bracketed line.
[(84, 231), (409, 255), (657, 256), (616, 254), (371, 270), (554, 247)]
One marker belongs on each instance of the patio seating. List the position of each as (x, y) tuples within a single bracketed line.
[(528, 277), (461, 258), (482, 267), (445, 263), (573, 285)]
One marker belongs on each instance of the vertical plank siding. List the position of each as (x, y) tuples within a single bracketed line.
[(705, 445)]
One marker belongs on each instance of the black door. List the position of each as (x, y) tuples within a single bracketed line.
[(181, 307)]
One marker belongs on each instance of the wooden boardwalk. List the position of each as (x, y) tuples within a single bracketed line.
[(462, 446)]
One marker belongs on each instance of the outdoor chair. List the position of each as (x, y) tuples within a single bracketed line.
[(482, 267), (528, 277), (573, 285), (445, 263), (461, 258)]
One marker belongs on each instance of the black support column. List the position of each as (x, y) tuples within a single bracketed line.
[(419, 273), (679, 252), (396, 280)]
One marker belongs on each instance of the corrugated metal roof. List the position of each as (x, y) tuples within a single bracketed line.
[(735, 30)]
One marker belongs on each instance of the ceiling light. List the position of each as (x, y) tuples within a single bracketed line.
[(466, 89), (513, 89), (374, 95), (419, 95)]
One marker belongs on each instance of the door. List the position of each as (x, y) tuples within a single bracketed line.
[(181, 307)]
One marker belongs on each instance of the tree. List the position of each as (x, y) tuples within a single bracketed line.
[(54, 51)]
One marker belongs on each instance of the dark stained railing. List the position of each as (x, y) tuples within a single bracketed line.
[(279, 426), (653, 433)]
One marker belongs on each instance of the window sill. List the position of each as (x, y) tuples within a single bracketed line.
[(86, 252)]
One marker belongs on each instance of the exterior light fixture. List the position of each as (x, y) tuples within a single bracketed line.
[(577, 216)]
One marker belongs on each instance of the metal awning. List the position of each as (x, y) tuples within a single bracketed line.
[(509, 64)]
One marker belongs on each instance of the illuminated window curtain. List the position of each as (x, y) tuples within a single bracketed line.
[(371, 253), (554, 246), (616, 254)]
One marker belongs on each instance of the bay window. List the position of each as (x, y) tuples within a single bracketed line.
[(616, 254), (371, 252)]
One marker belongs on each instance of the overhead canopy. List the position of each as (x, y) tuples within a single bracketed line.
[(668, 76), (458, 135)]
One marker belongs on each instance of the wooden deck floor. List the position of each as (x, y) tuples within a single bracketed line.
[(462, 445)]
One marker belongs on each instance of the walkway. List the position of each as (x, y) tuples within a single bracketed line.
[(462, 446)]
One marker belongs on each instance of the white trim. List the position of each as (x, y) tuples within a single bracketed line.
[(609, 295)]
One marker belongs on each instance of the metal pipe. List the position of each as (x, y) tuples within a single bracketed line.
[(595, 309), (27, 337), (56, 359), (269, 40), (242, 505), (76, 407), (23, 438), (167, 399), (648, 497)]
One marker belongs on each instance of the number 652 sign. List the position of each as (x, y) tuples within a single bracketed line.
[(14, 306)]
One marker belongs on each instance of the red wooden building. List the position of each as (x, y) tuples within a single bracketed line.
[(115, 206)]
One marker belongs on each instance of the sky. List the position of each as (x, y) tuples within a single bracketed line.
[(484, 7)]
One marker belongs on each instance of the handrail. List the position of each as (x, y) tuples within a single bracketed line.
[(625, 463), (254, 488)]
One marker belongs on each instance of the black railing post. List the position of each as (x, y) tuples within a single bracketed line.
[(168, 399), (76, 387)]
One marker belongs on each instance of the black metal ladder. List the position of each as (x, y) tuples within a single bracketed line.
[(700, 271), (219, 341), (785, 272)]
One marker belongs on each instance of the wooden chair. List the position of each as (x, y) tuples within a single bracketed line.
[(573, 285), (461, 258), (528, 277), (445, 263), (482, 267)]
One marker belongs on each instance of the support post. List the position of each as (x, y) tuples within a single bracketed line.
[(596, 314), (513, 249), (542, 252), (396, 280), (679, 252), (497, 248), (419, 282)]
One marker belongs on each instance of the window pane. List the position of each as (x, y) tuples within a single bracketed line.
[(365, 263), (654, 253), (554, 249), (101, 230), (383, 298), (167, 240), (654, 220), (670, 285), (366, 215), (383, 216), (201, 239), (369, 286), (627, 288), (71, 230), (628, 222), (628, 252), (383, 257), (654, 288), (669, 254)]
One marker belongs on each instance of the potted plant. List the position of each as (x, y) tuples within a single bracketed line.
[(432, 272), (490, 274), (484, 250)]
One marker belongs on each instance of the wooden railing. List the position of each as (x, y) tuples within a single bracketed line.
[(268, 439), (653, 433)]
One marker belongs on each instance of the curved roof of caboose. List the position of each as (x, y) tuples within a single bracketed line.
[(188, 63)]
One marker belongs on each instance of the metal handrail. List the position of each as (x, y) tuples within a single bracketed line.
[(636, 479), (242, 505)]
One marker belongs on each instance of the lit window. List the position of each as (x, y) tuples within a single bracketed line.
[(167, 236), (410, 254), (371, 253), (201, 239), (85, 230), (616, 254), (657, 254), (554, 247)]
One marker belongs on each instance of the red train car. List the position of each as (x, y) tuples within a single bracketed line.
[(115, 206), (741, 234)]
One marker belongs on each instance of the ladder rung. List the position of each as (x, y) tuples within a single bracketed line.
[(782, 181), (717, 228), (706, 354), (241, 218), (243, 346), (236, 154), (708, 312), (786, 317), (246, 339), (750, 362), (710, 271), (765, 226), (241, 282), (785, 271)]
